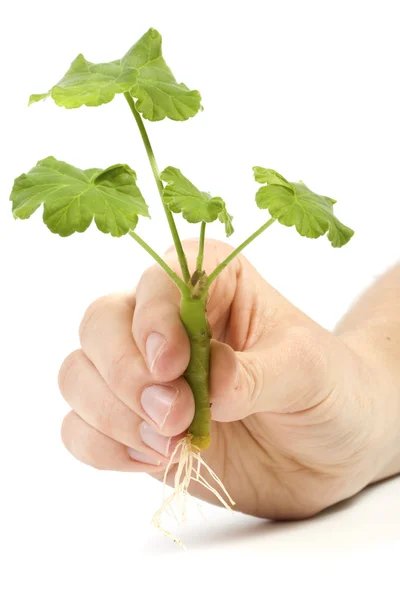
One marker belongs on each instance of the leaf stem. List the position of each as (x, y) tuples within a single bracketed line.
[(200, 256), (175, 278), (214, 274), (160, 187)]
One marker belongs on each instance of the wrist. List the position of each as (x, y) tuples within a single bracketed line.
[(373, 344)]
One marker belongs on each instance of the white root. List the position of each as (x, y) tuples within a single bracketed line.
[(188, 469)]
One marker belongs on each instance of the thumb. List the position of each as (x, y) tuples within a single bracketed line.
[(291, 370)]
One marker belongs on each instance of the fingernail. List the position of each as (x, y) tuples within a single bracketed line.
[(142, 457), (154, 345), (154, 440), (157, 402)]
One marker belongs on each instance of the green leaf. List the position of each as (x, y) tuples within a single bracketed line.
[(142, 72), (295, 204), (90, 84), (181, 196), (226, 219), (72, 197), (158, 93)]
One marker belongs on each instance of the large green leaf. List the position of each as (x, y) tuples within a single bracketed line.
[(158, 93), (181, 196), (295, 204), (72, 197), (142, 71)]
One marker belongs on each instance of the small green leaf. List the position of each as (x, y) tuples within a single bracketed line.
[(226, 219), (142, 71), (181, 196), (72, 197), (295, 204)]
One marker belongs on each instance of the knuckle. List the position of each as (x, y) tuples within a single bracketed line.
[(148, 274), (103, 419), (93, 314), (68, 368), (120, 374), (81, 444), (252, 376), (146, 309)]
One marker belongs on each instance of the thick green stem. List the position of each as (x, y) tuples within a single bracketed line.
[(175, 278), (160, 187), (193, 316), (214, 274), (200, 256)]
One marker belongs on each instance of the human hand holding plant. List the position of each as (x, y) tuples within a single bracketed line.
[(72, 198), (301, 418)]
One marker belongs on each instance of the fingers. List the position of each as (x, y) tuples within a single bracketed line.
[(94, 448), (90, 396), (126, 384), (107, 341), (290, 372), (93, 401)]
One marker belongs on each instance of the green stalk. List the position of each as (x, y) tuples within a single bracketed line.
[(192, 311), (200, 256), (214, 274), (160, 187), (175, 278), (194, 295), (194, 319)]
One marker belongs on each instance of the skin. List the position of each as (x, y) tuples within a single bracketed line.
[(302, 418)]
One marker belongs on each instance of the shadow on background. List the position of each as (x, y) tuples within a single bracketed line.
[(355, 523)]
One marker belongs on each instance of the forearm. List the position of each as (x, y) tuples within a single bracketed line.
[(372, 329)]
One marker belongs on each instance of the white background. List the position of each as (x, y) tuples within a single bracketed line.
[(307, 88)]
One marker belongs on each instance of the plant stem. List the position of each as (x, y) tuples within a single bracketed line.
[(214, 274), (160, 187), (200, 256), (194, 319), (175, 278)]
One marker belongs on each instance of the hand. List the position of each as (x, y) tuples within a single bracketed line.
[(297, 414)]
